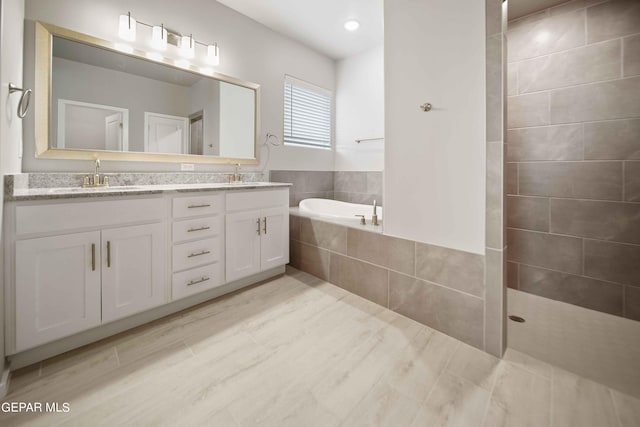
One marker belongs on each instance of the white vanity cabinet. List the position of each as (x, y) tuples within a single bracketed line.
[(198, 244), (133, 269), (67, 281), (59, 287), (257, 232), (81, 269)]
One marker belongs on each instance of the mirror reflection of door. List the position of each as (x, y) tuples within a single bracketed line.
[(113, 132), (89, 126), (165, 133), (196, 128)]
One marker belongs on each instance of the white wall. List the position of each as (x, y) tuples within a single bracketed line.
[(360, 111), (248, 50), (434, 180), (11, 72), (11, 31)]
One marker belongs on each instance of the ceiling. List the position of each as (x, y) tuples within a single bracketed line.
[(319, 24)]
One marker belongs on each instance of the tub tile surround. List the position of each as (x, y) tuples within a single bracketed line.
[(346, 186), (573, 155), (440, 287)]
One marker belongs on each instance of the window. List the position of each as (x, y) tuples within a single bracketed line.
[(307, 114)]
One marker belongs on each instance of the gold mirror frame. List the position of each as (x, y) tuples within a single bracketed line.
[(44, 42)]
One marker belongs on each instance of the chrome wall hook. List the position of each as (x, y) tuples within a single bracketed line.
[(25, 99)]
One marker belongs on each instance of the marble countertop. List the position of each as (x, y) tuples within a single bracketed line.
[(21, 194)]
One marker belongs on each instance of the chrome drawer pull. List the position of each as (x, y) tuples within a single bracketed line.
[(258, 229), (191, 230), (198, 206), (198, 254), (265, 225), (196, 281)]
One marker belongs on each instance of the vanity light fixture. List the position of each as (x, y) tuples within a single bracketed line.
[(162, 36), (187, 46), (159, 37), (127, 27), (351, 25)]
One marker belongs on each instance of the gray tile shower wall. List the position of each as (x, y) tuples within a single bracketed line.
[(306, 184), (573, 155), (442, 288), (358, 187), (346, 186)]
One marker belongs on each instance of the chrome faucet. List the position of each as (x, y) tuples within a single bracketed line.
[(95, 181), (374, 217), (235, 177)]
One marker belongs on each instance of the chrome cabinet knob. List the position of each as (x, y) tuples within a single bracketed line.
[(425, 107)]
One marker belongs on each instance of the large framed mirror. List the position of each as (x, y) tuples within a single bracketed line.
[(113, 105)]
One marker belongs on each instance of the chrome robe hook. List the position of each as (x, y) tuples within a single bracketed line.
[(25, 99)]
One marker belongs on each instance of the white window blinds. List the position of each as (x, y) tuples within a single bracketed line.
[(307, 114)]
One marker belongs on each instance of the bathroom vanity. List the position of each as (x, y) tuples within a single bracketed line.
[(84, 264)]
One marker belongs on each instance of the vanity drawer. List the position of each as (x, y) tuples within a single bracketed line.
[(195, 254), (244, 200), (197, 228), (184, 207), (196, 280), (60, 217)]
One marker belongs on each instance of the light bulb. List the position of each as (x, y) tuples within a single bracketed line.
[(351, 25), (213, 54), (159, 38), (127, 27), (187, 47)]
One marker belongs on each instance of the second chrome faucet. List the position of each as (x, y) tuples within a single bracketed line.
[(374, 217)]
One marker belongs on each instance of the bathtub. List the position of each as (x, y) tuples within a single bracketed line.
[(337, 210)]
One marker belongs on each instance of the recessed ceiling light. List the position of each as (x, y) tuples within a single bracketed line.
[(351, 25)]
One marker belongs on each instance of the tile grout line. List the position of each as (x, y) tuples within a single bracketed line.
[(115, 350), (570, 86), (492, 391), (551, 388), (444, 369), (549, 233), (519, 128), (564, 272), (615, 407), (621, 57), (571, 48)]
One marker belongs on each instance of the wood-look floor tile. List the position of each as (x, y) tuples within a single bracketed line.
[(580, 402), (298, 351), (475, 366), (519, 398), (343, 388), (628, 409), (453, 402), (383, 406), (529, 363), (417, 368)]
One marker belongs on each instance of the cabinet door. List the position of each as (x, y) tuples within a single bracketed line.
[(57, 287), (134, 263), (243, 231), (275, 238)]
